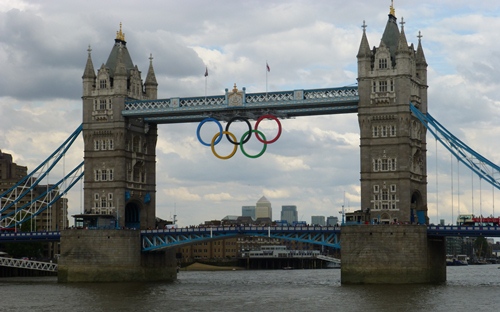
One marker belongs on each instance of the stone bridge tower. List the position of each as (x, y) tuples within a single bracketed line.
[(393, 169), (393, 142), (120, 172)]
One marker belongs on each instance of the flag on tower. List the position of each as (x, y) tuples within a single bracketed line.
[(206, 71), (267, 66)]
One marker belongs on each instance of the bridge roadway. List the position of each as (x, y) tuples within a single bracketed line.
[(326, 236)]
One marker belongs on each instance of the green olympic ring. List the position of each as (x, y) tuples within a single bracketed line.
[(249, 134)]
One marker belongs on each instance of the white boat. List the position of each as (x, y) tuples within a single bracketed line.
[(333, 265), (280, 251)]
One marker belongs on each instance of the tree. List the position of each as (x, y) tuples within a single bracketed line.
[(483, 249)]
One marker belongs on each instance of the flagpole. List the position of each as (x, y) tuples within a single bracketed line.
[(206, 78), (267, 70)]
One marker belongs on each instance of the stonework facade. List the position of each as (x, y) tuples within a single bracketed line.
[(392, 140), (111, 256), (120, 152), (392, 254)]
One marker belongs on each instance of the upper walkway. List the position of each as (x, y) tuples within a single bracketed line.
[(282, 104)]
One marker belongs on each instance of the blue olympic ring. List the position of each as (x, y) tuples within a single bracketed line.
[(199, 128)]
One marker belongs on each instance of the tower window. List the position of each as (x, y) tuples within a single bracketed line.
[(110, 174), (382, 86), (375, 131), (374, 86), (102, 104), (384, 131), (382, 63), (384, 165), (97, 174), (392, 130), (385, 195), (103, 202), (102, 84), (104, 175), (392, 164)]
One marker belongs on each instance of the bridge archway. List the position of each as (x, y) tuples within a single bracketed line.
[(133, 215), (385, 218)]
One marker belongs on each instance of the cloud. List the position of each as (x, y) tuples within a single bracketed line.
[(315, 163)]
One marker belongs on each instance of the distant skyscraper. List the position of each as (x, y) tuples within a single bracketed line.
[(289, 213), (318, 220), (332, 221), (248, 211), (263, 209)]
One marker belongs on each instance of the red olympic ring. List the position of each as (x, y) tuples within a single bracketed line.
[(257, 127)]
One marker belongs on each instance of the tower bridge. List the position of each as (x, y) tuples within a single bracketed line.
[(121, 117), (121, 114)]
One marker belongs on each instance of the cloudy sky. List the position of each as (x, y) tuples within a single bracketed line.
[(307, 44)]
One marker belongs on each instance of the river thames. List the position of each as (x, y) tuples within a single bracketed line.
[(469, 288)]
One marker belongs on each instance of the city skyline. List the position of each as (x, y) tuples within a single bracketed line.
[(305, 45)]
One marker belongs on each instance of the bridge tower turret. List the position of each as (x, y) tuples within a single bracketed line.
[(392, 140), (120, 167)]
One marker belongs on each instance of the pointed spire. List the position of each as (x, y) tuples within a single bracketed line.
[(89, 67), (150, 77), (120, 69), (402, 43), (391, 32), (364, 46), (420, 57)]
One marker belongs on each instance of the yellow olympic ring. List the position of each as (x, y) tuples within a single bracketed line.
[(212, 145)]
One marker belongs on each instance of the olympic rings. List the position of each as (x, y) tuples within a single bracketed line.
[(244, 138)]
